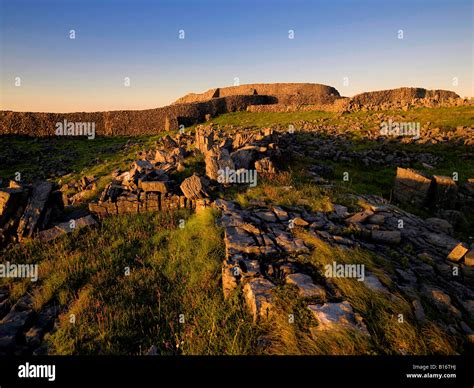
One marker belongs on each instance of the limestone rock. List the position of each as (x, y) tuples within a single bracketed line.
[(10, 199), (218, 160), (306, 287), (35, 210), (265, 166), (411, 187), (359, 217), (469, 258), (373, 283), (195, 187), (387, 236), (440, 224), (230, 275), (298, 221), (457, 253), (154, 186), (332, 316), (376, 219), (259, 299), (66, 227), (15, 321), (440, 299), (142, 165)]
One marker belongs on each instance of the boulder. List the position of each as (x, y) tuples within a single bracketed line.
[(259, 298), (267, 216), (195, 187), (14, 322), (162, 156), (241, 139), (43, 324), (218, 160), (168, 142), (291, 244), (376, 219), (419, 311), (281, 214), (111, 192), (298, 221), (373, 283), (411, 187), (238, 240), (204, 140), (35, 210)]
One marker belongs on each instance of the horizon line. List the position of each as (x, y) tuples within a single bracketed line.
[(218, 87)]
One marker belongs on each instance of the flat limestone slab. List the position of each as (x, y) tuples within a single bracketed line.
[(306, 287), (66, 227)]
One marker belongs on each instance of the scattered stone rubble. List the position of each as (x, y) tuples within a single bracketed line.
[(261, 252), (27, 209), (21, 328)]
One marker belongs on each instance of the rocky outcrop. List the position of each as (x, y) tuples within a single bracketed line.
[(261, 252), (27, 209)]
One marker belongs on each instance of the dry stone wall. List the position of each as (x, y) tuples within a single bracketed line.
[(195, 108), (285, 93), (127, 123)]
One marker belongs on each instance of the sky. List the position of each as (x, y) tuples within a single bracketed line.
[(354, 46)]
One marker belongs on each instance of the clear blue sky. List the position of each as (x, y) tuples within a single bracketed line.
[(224, 39)]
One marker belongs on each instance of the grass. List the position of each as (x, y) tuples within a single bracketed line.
[(263, 119), (137, 281), (53, 157), (171, 298), (287, 189), (381, 312), (444, 118)]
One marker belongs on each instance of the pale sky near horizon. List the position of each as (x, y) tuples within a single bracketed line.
[(248, 39)]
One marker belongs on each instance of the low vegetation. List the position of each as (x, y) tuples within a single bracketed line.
[(153, 280)]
